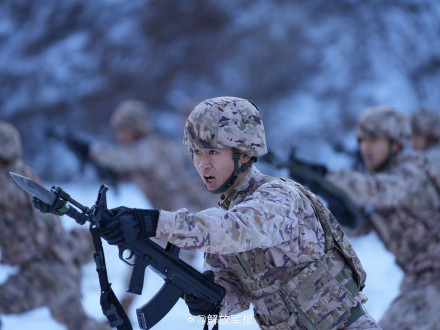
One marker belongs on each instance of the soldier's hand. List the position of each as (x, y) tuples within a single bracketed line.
[(198, 306), (58, 208), (129, 224)]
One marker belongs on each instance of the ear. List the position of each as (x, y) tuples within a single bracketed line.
[(245, 158)]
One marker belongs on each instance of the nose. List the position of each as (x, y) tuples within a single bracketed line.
[(204, 162)]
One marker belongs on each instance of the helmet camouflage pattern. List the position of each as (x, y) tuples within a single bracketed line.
[(384, 121), (426, 123), (226, 122), (132, 115), (10, 142)]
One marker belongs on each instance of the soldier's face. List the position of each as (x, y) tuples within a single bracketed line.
[(419, 142), (125, 136), (374, 151), (215, 166)]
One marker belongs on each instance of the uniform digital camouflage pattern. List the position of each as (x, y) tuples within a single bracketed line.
[(386, 122), (403, 207), (226, 122), (47, 257), (267, 246)]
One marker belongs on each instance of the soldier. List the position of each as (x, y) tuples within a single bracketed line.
[(425, 126), (49, 270), (136, 157), (272, 243), (400, 195)]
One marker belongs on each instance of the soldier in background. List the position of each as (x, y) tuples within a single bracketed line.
[(399, 193), (425, 126), (47, 257), (137, 155), (140, 149)]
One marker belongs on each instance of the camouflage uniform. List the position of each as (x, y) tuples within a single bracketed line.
[(164, 185), (272, 243), (49, 272), (402, 205), (427, 123)]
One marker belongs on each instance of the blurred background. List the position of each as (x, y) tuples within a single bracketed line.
[(311, 67)]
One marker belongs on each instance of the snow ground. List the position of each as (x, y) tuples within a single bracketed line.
[(383, 276)]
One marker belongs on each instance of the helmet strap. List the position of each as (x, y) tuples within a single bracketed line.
[(237, 170)]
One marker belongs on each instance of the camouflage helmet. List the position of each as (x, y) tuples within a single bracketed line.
[(426, 123), (226, 122), (384, 121), (10, 142), (133, 115)]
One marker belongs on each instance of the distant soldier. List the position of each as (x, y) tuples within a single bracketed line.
[(47, 257), (157, 164), (400, 195), (138, 154), (425, 126)]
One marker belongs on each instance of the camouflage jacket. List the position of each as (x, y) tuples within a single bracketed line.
[(26, 234), (275, 221), (161, 169), (402, 204)]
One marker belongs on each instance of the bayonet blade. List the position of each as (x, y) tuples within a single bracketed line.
[(34, 188)]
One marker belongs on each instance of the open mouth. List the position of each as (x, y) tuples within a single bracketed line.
[(208, 178)]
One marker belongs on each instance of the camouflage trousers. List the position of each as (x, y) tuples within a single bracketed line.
[(417, 306), (52, 284)]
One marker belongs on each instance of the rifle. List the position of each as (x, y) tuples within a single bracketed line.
[(312, 175), (80, 148), (354, 155), (179, 277)]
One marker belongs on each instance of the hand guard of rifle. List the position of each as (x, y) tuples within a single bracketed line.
[(199, 306), (129, 224)]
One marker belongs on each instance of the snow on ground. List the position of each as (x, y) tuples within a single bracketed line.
[(383, 276)]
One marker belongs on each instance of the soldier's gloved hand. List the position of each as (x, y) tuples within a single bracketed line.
[(58, 208), (129, 224), (198, 306)]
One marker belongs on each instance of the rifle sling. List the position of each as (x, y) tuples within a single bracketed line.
[(111, 307), (216, 324)]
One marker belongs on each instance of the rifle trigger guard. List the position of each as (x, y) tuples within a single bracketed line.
[(121, 255)]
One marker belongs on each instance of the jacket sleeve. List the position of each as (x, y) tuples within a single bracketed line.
[(122, 159), (379, 191), (270, 216)]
